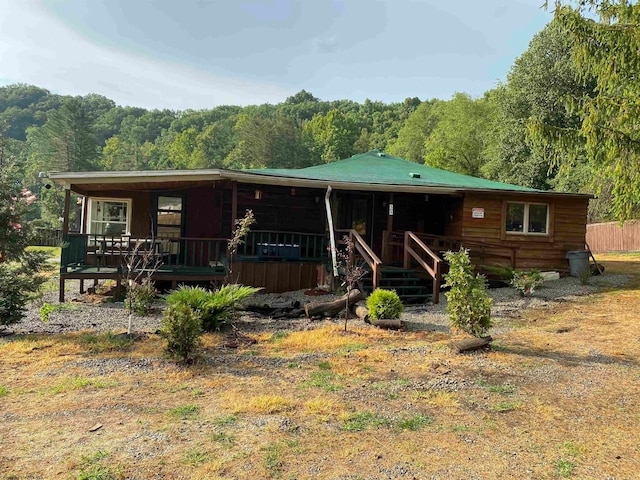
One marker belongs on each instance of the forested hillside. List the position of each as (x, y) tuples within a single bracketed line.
[(494, 136)]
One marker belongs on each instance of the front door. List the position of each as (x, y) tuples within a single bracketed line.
[(354, 212)]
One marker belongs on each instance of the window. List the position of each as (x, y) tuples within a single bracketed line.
[(109, 216), (531, 218), (169, 217)]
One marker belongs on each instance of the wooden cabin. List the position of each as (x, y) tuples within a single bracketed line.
[(401, 215)]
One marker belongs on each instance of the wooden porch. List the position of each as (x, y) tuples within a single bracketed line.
[(277, 261)]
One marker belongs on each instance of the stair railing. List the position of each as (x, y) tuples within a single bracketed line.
[(426, 258), (367, 254)]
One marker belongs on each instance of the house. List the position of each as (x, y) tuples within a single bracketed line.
[(401, 215)]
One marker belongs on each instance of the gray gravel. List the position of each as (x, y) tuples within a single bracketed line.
[(508, 305)]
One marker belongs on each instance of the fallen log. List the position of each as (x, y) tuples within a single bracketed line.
[(288, 313), (468, 344), (387, 324), (272, 309), (332, 308), (361, 312)]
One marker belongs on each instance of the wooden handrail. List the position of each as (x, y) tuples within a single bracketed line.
[(433, 270), (367, 254), (476, 246)]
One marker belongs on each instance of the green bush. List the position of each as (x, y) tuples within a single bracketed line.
[(48, 308), (141, 296), (384, 304), (19, 284), (526, 282), (182, 329), (213, 307), (469, 304)]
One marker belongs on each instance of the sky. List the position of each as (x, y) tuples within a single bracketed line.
[(198, 54)]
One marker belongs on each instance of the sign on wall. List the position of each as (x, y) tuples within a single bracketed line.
[(477, 213)]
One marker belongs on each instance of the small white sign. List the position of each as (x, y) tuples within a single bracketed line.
[(391, 209), (477, 213)]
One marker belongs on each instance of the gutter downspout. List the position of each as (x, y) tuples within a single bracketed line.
[(332, 238)]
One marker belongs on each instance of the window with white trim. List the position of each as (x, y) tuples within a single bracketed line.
[(109, 216), (528, 218)]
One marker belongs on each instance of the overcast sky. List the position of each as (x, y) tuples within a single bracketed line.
[(197, 54)]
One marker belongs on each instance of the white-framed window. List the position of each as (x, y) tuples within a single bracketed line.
[(109, 216), (527, 218)]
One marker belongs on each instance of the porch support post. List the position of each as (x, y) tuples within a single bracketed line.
[(65, 232), (234, 205), (389, 216), (65, 215), (386, 254)]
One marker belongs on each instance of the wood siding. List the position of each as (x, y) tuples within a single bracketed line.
[(277, 277), (567, 228), (611, 237)]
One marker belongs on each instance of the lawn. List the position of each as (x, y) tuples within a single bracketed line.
[(557, 397)]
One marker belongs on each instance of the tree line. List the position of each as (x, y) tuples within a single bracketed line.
[(562, 120)]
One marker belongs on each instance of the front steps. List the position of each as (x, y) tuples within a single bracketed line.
[(408, 284)]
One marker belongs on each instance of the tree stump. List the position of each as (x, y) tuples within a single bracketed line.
[(468, 344)]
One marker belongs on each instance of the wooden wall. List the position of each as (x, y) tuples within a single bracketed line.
[(567, 228), (276, 277), (282, 208)]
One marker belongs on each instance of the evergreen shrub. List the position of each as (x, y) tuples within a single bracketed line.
[(469, 304), (384, 304)]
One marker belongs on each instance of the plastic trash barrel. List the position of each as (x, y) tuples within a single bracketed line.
[(578, 262)]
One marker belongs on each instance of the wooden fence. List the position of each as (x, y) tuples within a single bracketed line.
[(611, 237), (47, 237)]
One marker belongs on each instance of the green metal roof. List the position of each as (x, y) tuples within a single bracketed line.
[(376, 167)]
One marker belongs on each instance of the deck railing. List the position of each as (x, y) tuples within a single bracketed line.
[(284, 246), (415, 249), (111, 250), (481, 253), (367, 255)]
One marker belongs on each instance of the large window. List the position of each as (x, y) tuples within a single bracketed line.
[(530, 218), (109, 216)]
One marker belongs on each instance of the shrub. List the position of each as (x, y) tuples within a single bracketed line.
[(214, 308), (182, 329), (20, 270), (469, 304), (526, 282), (384, 304), (141, 296), (19, 283), (48, 308)]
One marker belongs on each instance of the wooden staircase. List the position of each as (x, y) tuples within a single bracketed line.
[(412, 286), (407, 283)]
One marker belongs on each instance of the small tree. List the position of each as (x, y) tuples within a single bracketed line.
[(182, 329), (351, 271), (469, 304), (20, 270), (243, 226), (139, 265)]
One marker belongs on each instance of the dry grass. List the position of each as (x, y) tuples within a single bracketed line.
[(556, 398)]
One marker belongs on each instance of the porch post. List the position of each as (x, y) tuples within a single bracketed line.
[(65, 233), (389, 215), (65, 214), (234, 205), (386, 254)]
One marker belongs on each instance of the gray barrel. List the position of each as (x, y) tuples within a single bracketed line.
[(578, 262)]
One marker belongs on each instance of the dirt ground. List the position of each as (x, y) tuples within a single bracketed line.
[(557, 396)]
